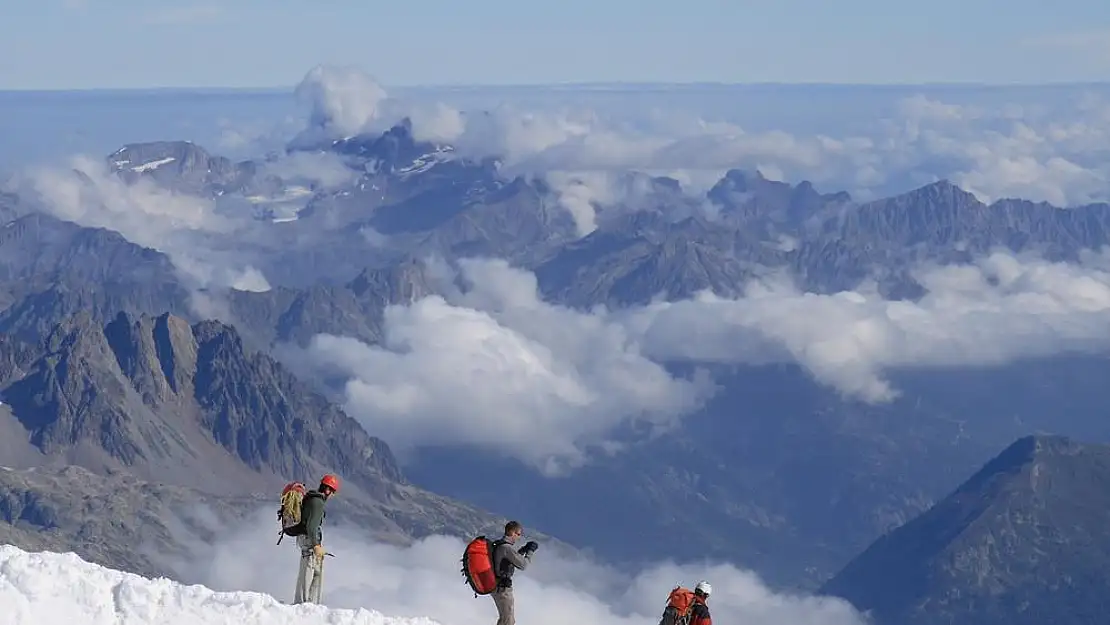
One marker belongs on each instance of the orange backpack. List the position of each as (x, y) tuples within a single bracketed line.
[(477, 565), (678, 607)]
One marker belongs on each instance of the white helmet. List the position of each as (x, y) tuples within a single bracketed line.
[(704, 588)]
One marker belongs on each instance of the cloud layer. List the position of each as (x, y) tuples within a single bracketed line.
[(493, 366), (992, 312), (180, 225), (424, 580), (1021, 149), (497, 367)]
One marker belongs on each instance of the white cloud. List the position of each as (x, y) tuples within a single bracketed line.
[(1026, 148), (324, 169), (343, 101), (424, 580), (438, 123), (587, 194), (182, 226), (920, 108), (992, 312), (495, 367), (97, 197), (1017, 149)]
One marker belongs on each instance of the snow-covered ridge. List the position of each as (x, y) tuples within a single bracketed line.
[(44, 588), (144, 166), (423, 163)]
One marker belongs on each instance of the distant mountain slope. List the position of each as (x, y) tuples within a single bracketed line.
[(416, 197), (827, 242), (642, 256), (51, 268), (190, 406), (1024, 541), (181, 403), (187, 167), (116, 519), (355, 308)]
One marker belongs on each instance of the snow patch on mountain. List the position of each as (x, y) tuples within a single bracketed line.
[(155, 164), (421, 164)]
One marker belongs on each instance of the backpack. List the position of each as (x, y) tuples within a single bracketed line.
[(477, 565), (289, 511), (678, 610)]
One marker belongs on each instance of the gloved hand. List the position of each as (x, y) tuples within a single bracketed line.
[(530, 547), (318, 551)]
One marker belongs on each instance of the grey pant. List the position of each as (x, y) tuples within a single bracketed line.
[(506, 611), (310, 575)]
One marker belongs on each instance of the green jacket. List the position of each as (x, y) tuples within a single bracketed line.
[(313, 513)]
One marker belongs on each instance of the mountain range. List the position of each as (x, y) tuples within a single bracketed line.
[(109, 363)]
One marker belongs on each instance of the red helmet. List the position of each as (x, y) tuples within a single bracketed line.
[(330, 481)]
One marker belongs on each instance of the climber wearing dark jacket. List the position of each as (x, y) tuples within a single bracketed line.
[(506, 561), (310, 575), (699, 612)]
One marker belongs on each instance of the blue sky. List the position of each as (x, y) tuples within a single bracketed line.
[(52, 44)]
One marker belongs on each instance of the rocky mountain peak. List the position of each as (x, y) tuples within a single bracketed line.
[(770, 207), (186, 167), (158, 354), (394, 150), (1028, 535), (401, 283), (140, 157), (160, 396), (943, 192)]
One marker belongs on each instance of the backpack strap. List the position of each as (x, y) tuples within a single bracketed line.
[(498, 572)]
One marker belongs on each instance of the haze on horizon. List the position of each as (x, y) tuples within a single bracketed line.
[(86, 44)]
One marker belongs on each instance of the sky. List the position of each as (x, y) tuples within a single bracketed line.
[(82, 44)]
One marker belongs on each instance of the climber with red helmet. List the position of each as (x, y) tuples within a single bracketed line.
[(310, 576)]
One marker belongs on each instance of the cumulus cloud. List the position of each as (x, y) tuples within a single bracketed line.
[(423, 579), (342, 101), (323, 170), (991, 312), (184, 227), (496, 367), (586, 195), (437, 123)]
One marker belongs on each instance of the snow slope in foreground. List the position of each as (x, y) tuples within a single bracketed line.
[(45, 588)]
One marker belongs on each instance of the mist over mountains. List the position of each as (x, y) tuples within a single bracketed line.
[(691, 334)]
